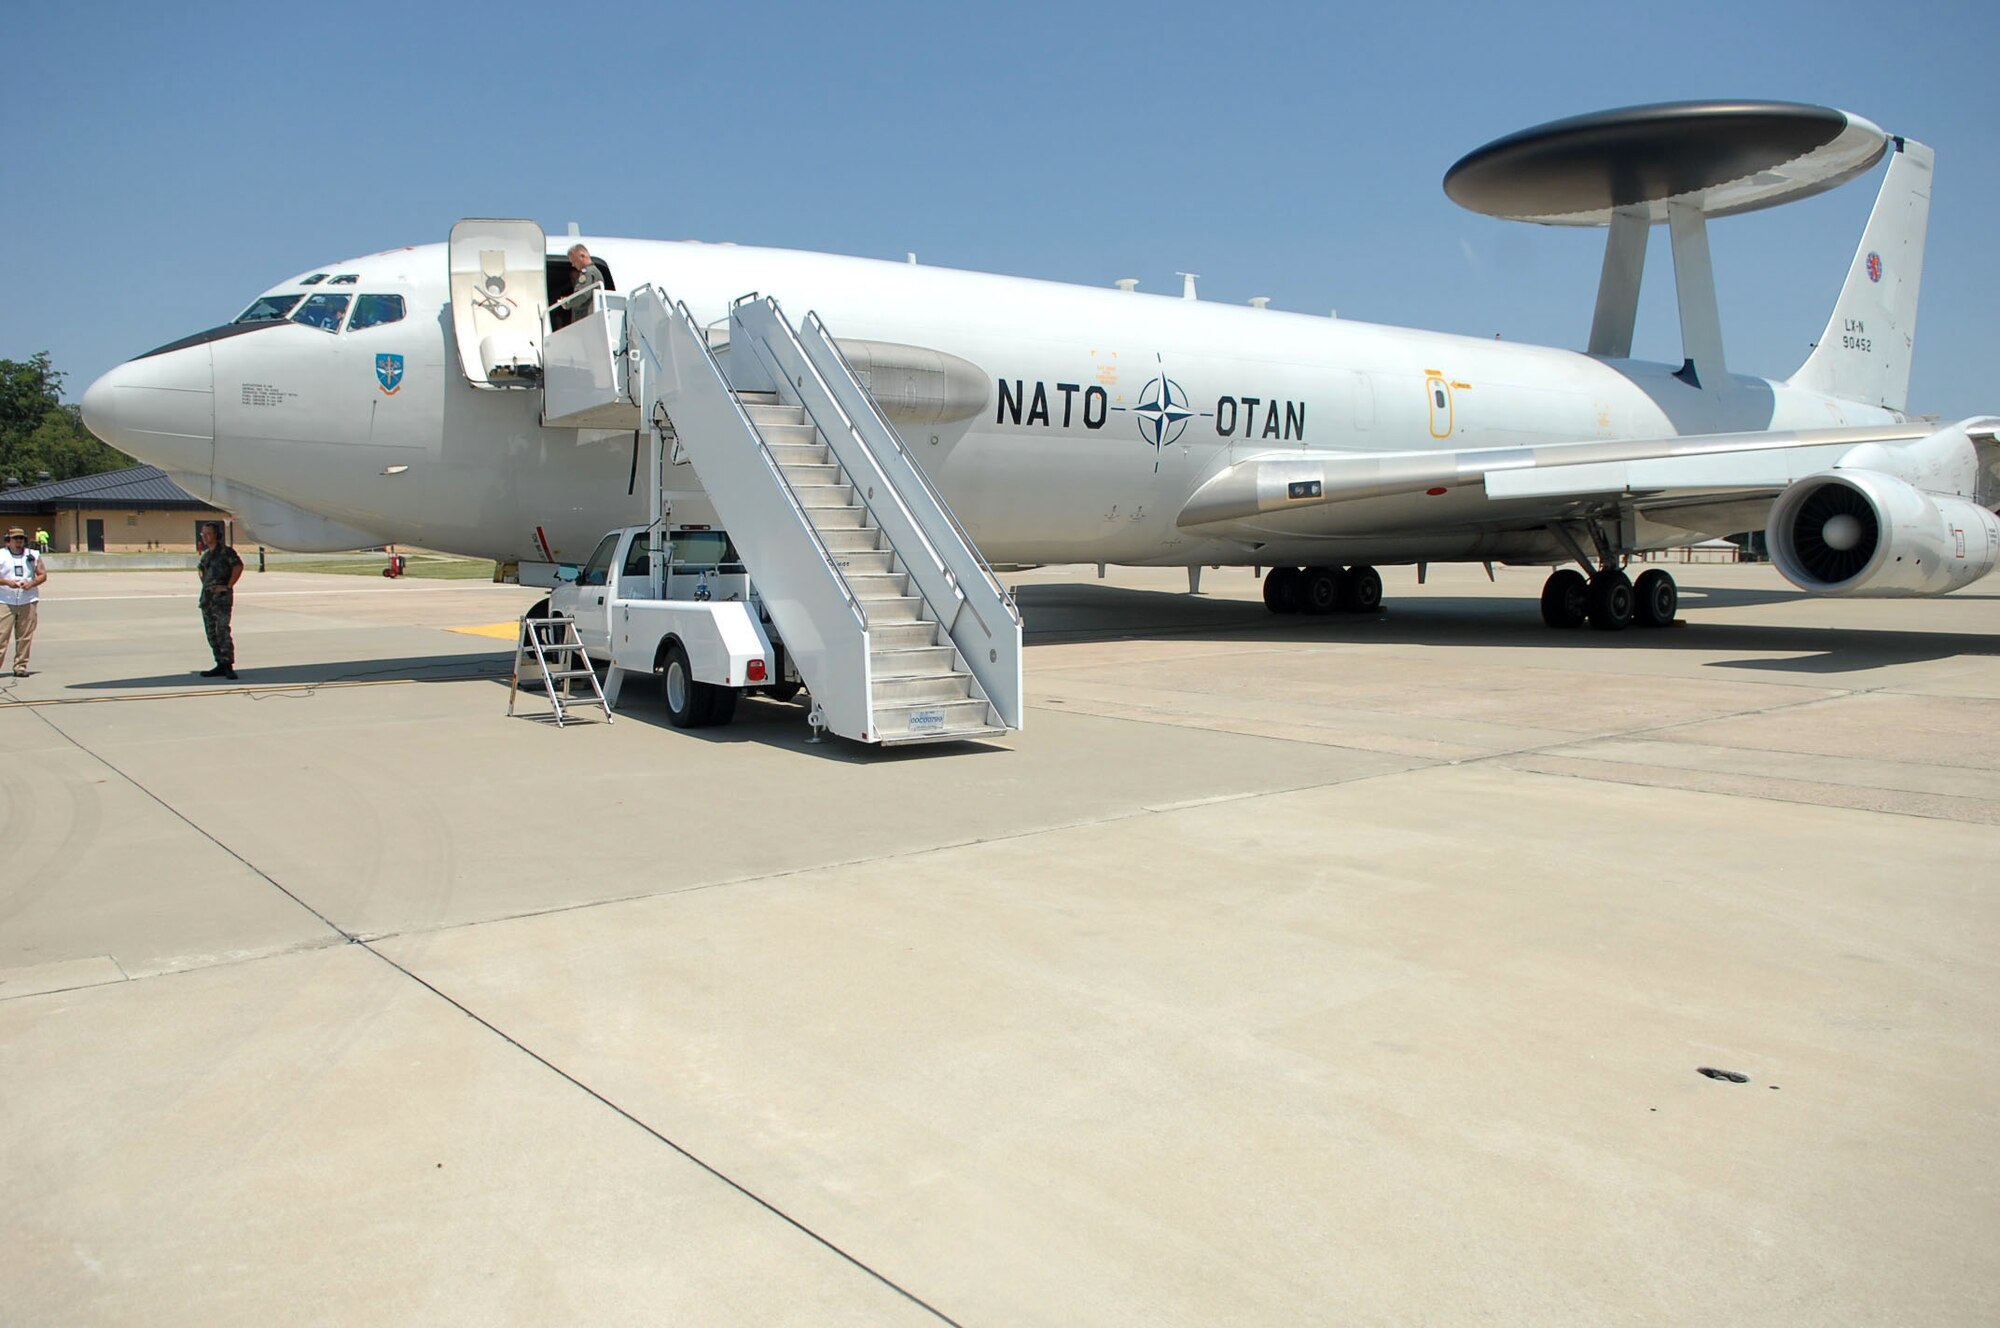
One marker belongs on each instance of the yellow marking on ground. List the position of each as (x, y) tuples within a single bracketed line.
[(500, 631)]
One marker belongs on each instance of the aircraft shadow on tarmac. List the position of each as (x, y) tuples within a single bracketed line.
[(1089, 611)]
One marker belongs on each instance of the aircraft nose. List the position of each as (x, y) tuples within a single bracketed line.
[(160, 408)]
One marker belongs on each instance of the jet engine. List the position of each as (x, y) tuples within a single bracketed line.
[(1873, 535)]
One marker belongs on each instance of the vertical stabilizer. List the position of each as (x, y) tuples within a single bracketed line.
[(1864, 354)]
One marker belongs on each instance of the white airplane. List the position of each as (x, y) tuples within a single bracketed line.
[(420, 396)]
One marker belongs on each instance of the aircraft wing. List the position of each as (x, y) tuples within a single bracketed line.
[(1308, 493)]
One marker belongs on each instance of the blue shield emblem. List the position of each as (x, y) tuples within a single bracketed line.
[(389, 372)]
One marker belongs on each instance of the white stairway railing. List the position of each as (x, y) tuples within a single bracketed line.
[(802, 588), (806, 369)]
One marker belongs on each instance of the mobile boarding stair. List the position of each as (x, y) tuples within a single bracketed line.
[(551, 649), (898, 626)]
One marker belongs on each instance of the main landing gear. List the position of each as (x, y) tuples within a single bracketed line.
[(1322, 590), (1607, 599)]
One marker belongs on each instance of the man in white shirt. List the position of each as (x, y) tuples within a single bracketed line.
[(21, 577)]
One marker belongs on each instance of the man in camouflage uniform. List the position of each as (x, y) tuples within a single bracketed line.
[(220, 570)]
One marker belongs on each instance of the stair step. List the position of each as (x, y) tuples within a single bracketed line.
[(922, 687), (859, 539), (811, 472), (903, 636), (905, 661), (947, 735), (826, 519), (929, 719), (870, 562), (787, 434), (789, 454), (871, 586), (812, 496), (890, 610)]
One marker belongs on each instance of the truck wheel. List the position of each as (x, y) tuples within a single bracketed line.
[(686, 699), (541, 609), (785, 691)]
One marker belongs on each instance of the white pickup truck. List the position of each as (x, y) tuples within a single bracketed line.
[(698, 627)]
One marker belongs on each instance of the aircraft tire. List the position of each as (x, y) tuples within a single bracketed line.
[(1360, 590), (1565, 599), (686, 700), (1610, 600), (1281, 590), (1321, 589), (1655, 599)]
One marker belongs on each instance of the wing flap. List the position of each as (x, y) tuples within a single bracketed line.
[(1765, 471)]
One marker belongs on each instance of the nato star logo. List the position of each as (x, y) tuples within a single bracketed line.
[(1163, 412)]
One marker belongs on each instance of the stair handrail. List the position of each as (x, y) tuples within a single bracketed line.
[(771, 464), (782, 325), (817, 326), (998, 668), (700, 339)]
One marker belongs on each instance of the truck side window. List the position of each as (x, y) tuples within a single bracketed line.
[(598, 570)]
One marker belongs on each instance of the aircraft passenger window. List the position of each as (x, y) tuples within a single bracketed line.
[(313, 280), (1438, 392), (269, 308), (375, 310), (344, 279), (322, 311)]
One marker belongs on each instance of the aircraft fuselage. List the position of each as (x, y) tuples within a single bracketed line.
[(1105, 410)]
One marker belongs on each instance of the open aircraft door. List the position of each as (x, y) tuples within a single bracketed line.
[(499, 301)]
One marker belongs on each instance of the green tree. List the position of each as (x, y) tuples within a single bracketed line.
[(38, 432)]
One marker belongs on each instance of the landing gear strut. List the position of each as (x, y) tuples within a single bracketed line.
[(1607, 599)]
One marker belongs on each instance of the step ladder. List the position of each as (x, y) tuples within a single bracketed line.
[(899, 628), (557, 652)]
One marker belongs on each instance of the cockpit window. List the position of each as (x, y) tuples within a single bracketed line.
[(322, 311), (344, 279), (269, 308), (375, 310), (313, 280)]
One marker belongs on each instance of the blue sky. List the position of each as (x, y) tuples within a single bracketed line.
[(171, 161)]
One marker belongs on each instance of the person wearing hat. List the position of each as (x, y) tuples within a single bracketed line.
[(21, 577)]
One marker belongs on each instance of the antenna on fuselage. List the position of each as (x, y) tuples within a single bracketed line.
[(1678, 163)]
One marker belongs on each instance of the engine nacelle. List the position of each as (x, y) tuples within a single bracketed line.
[(1875, 536)]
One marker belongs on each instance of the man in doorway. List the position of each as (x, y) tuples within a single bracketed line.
[(21, 577), (588, 279), (220, 570)]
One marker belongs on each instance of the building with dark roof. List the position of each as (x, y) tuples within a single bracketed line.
[(119, 511)]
